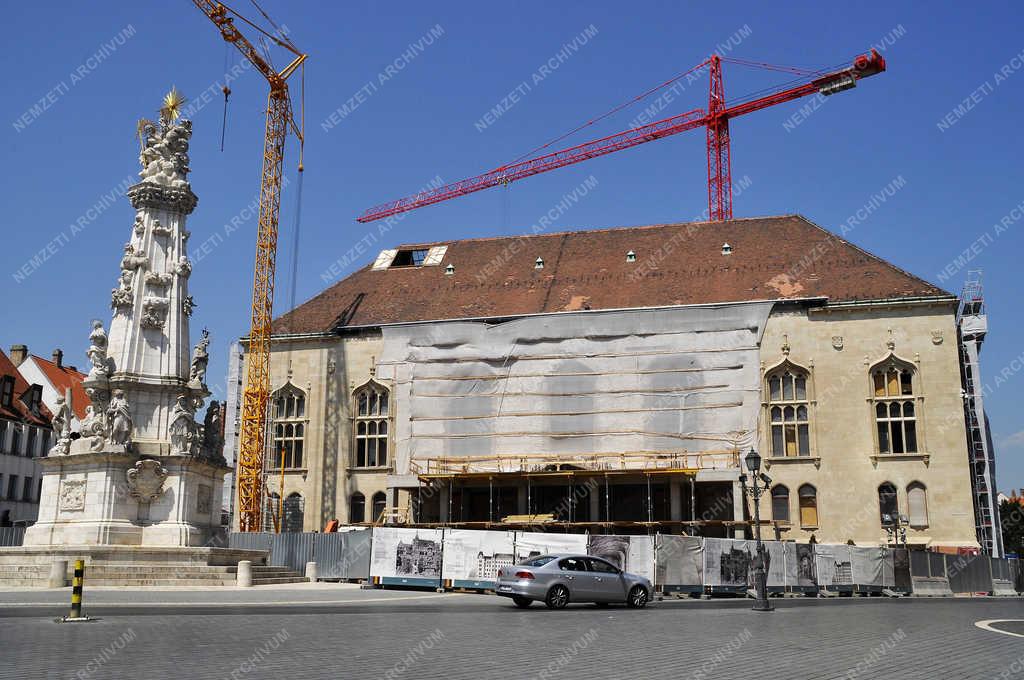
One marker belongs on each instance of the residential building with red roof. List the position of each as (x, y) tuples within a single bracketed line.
[(56, 378), (25, 436)]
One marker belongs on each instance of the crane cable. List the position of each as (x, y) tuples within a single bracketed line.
[(227, 93)]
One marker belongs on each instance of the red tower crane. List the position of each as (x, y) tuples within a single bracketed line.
[(715, 119)]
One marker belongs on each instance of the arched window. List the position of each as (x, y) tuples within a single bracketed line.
[(788, 413), (371, 426), (294, 513), (917, 504), (380, 503), (289, 412), (888, 504), (780, 503), (270, 510), (808, 506), (357, 508), (895, 412)]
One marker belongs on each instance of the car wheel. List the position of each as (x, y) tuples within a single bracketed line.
[(637, 598), (522, 602), (557, 597)]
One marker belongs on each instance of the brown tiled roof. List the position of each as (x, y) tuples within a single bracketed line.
[(19, 410), (676, 264), (63, 377)]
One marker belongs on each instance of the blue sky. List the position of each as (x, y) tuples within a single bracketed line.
[(943, 122)]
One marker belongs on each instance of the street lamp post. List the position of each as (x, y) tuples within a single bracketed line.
[(753, 462), (896, 528)]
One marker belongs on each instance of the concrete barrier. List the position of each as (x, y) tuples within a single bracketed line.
[(311, 571), (244, 574), (931, 586)]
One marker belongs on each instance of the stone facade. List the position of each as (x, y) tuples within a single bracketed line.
[(837, 345)]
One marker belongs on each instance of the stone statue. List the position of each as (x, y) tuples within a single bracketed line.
[(187, 305), (164, 157), (132, 259), (213, 440), (184, 267), (97, 351), (183, 428), (200, 358), (154, 311), (119, 419), (160, 230), (122, 295), (61, 424), (139, 227)]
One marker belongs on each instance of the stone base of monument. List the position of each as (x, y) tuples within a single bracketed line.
[(111, 497), (138, 566)]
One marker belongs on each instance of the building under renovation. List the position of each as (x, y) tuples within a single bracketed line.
[(611, 380)]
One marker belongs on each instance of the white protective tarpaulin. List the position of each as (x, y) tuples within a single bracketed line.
[(671, 379)]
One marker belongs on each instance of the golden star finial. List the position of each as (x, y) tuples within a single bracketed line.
[(173, 101)]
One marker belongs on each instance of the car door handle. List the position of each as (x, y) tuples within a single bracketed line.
[(569, 578), (598, 578)]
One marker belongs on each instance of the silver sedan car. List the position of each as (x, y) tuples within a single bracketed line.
[(557, 580)]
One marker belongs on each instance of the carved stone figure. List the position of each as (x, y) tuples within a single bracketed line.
[(213, 440), (160, 230), (183, 429), (154, 312), (158, 279), (61, 423), (121, 296), (200, 358), (71, 496), (146, 480), (187, 305), (164, 157), (184, 267), (97, 351), (119, 419), (132, 259)]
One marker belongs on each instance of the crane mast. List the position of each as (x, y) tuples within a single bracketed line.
[(256, 395), (715, 119)]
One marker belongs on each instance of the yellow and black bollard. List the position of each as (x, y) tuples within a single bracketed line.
[(76, 595)]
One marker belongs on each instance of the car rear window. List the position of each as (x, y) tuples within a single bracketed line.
[(537, 561)]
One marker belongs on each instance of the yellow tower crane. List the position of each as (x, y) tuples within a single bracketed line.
[(280, 117)]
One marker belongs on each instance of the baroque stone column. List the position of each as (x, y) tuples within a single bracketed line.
[(142, 471)]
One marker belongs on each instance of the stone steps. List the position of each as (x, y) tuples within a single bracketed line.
[(149, 575)]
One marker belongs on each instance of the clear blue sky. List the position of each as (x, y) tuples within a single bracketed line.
[(961, 176)]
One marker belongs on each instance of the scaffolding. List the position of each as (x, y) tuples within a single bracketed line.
[(972, 325)]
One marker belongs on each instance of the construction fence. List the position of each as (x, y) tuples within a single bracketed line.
[(468, 558)]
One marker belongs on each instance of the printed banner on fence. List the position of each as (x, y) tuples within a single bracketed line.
[(801, 572), (730, 563), (680, 562), (872, 567), (834, 566), (634, 554), (472, 558), (406, 556), (532, 543)]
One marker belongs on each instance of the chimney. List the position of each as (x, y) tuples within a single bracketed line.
[(58, 358), (18, 354)]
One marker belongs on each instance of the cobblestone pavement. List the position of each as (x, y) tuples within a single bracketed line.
[(348, 633)]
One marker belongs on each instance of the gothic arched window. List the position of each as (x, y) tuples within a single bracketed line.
[(788, 413), (895, 408), (371, 408), (289, 429)]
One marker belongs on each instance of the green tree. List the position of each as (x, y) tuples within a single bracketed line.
[(1011, 516)]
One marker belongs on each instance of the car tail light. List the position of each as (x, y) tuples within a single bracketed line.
[(524, 574)]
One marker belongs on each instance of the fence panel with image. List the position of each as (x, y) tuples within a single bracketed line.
[(472, 558), (406, 557), (679, 564)]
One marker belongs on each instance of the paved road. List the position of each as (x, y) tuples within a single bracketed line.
[(347, 633)]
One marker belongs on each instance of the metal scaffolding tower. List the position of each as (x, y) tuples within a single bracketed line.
[(972, 325)]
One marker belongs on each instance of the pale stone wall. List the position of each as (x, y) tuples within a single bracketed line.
[(844, 465), (327, 370)]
